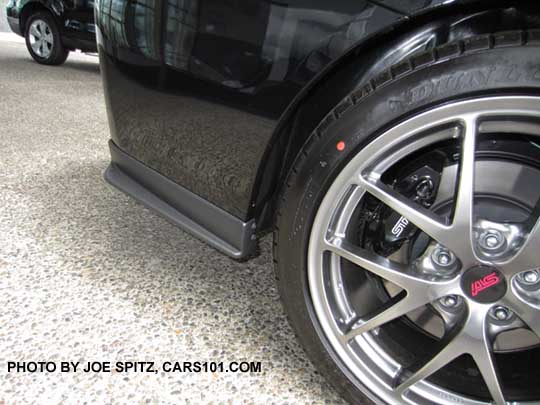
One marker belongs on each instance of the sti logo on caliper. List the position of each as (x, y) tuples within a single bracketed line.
[(478, 286), (400, 226)]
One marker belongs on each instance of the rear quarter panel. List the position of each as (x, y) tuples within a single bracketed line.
[(195, 88)]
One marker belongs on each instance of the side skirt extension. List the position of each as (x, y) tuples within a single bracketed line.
[(180, 206)]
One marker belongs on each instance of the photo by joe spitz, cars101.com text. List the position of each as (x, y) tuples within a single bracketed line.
[(391, 148)]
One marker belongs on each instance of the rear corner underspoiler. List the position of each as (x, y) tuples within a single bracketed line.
[(193, 214)]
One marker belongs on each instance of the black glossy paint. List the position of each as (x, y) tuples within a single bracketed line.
[(74, 19), (195, 88), (217, 95)]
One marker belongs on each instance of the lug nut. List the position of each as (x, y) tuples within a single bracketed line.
[(529, 277), (442, 257), (450, 301), (492, 240), (501, 313), (424, 189)]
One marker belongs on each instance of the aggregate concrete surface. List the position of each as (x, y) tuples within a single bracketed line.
[(87, 274)]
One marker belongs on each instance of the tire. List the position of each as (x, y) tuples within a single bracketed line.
[(478, 68), (46, 48)]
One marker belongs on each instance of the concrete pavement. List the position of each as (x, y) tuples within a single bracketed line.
[(87, 274)]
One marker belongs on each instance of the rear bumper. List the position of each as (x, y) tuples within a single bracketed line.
[(180, 206), (13, 23), (13, 14)]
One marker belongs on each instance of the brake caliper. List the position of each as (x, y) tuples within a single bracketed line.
[(387, 229)]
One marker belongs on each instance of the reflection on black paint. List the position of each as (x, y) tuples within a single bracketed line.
[(196, 87), (238, 44)]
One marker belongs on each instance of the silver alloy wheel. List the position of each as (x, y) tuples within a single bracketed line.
[(354, 339), (41, 38)]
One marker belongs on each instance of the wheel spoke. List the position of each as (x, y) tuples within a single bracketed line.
[(526, 257), (469, 338), (49, 38), (529, 315), (421, 217), (446, 355), (36, 46), (34, 32), (378, 265), (532, 320), (462, 221), (393, 309), (483, 357)]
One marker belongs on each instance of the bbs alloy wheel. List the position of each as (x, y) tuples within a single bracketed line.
[(454, 252), (408, 237)]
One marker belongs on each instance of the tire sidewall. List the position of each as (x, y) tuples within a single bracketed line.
[(508, 71)]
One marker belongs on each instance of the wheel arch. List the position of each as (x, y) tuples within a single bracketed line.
[(409, 36), (29, 8)]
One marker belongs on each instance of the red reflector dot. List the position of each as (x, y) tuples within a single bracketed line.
[(340, 146)]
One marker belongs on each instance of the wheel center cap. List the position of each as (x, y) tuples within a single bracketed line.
[(484, 284)]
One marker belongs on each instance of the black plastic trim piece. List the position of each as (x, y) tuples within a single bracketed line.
[(194, 214)]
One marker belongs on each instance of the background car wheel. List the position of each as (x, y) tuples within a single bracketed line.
[(43, 40), (406, 232)]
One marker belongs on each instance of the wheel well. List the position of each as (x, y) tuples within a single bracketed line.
[(378, 53), (28, 10)]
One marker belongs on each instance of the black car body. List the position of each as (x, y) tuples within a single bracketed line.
[(205, 97), (216, 106), (74, 20)]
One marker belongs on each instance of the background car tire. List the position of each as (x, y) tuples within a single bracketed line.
[(51, 51), (502, 63)]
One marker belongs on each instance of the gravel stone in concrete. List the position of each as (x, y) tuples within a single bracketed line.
[(87, 274)]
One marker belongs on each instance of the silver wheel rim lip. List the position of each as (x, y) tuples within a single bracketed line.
[(41, 38), (521, 106)]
